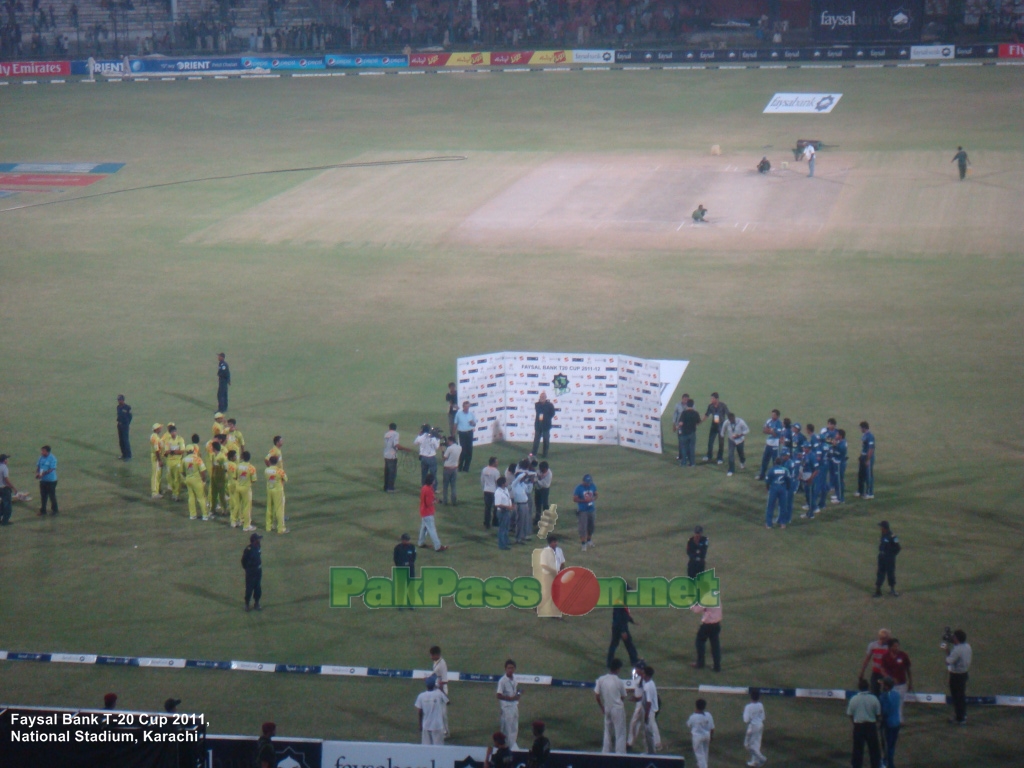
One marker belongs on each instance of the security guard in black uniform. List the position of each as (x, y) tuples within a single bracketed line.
[(252, 561), (888, 548), (223, 382), (697, 551)]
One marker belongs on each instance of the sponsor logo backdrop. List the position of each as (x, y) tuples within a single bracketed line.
[(609, 399), (866, 21)]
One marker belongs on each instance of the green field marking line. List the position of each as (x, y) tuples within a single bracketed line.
[(330, 167)]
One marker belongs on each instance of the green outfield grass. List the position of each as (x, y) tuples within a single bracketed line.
[(329, 341)]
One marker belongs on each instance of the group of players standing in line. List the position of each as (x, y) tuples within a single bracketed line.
[(795, 459), (223, 483)]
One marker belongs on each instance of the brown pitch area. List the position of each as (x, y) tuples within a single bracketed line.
[(616, 201)]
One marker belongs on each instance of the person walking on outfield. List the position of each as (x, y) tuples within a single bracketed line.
[(610, 692), (652, 736), (891, 720), (697, 552), (753, 716), (430, 706), (428, 525), (735, 431), (621, 619), (223, 382), (896, 665), (544, 415), (46, 473), (276, 478), (465, 423), (156, 461), (173, 451), (252, 562), (864, 712), (773, 432), (508, 697), (888, 548), (702, 730), (687, 429), (124, 420), (960, 158), (6, 491), (809, 154), (866, 468), (877, 651), (195, 480), (716, 411), (245, 476), (585, 497), (710, 629)]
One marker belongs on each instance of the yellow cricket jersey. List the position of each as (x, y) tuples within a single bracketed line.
[(232, 444), (276, 478), (174, 448), (192, 465), (155, 444), (237, 435), (165, 440), (219, 429), (276, 452), (245, 475), (194, 449), (231, 470)]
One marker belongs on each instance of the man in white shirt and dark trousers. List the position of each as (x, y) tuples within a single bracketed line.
[(753, 716), (958, 662), (702, 729), (452, 452), (391, 449), (735, 431), (610, 692), (465, 423), (488, 479), (430, 706), (427, 445)]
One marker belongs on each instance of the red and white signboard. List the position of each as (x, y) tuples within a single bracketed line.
[(34, 68)]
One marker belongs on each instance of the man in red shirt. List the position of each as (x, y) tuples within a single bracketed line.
[(427, 525), (896, 664), (877, 650)]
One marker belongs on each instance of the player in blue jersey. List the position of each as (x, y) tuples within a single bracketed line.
[(840, 452), (809, 476), (866, 469), (777, 481)]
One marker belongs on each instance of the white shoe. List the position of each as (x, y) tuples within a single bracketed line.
[(234, 525), (803, 516), (156, 496), (805, 508), (835, 498), (249, 528), (818, 511), (869, 496), (718, 462), (743, 466), (836, 501), (857, 495), (583, 547), (728, 474), (206, 518)]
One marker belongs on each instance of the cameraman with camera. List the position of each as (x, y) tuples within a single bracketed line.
[(428, 441), (958, 662)]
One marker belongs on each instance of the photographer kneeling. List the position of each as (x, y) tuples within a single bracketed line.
[(958, 662)]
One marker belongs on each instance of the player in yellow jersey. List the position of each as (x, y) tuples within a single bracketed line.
[(156, 460), (165, 473), (230, 484), (195, 477), (218, 478), (236, 441), (275, 450), (276, 478), (245, 476), (174, 450), (219, 427)]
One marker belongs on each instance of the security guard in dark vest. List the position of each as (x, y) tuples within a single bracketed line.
[(888, 548), (697, 552)]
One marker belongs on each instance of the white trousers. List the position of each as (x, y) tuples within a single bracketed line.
[(433, 737), (752, 741), (615, 730), (652, 737), (510, 725), (700, 750), (636, 725)]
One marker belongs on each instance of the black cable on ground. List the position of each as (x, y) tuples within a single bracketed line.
[(369, 164)]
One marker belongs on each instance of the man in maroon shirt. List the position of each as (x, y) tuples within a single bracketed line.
[(896, 665)]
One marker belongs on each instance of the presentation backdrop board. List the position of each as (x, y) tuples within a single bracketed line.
[(599, 399)]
